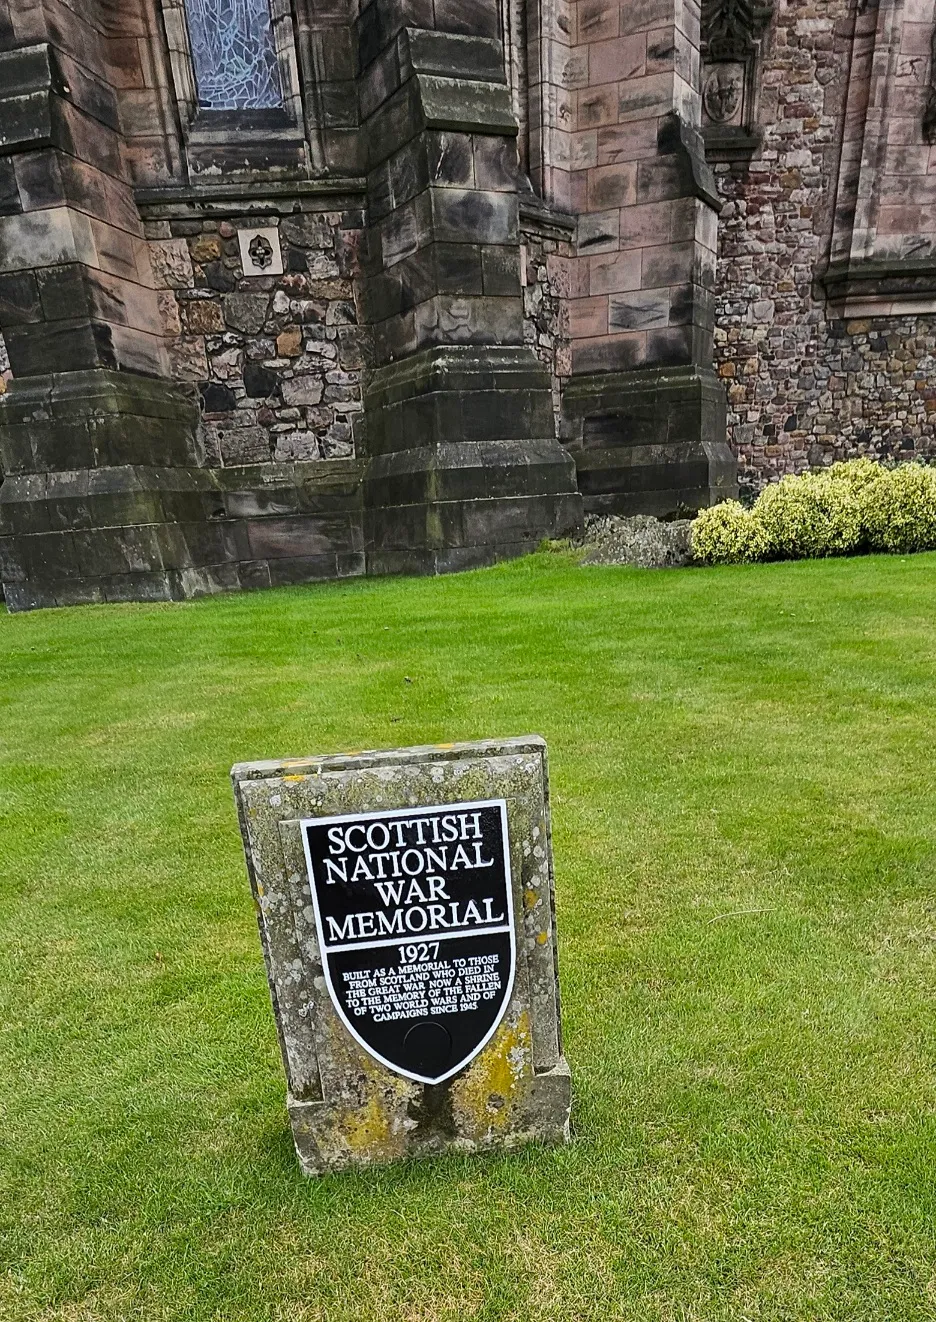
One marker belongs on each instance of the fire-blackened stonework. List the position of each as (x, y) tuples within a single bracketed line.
[(470, 271)]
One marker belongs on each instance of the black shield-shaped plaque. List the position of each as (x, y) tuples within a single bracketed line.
[(414, 912)]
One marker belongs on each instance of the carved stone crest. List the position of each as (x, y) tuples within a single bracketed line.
[(261, 252), (723, 92), (731, 42)]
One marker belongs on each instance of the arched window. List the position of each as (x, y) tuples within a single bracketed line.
[(234, 55)]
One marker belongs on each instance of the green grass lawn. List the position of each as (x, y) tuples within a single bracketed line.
[(745, 834)]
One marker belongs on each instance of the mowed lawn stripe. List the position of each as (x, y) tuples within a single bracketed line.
[(744, 816)]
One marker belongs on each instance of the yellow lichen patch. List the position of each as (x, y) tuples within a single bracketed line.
[(483, 1099), (371, 1126), (367, 1131), (542, 938), (295, 778), (530, 898)]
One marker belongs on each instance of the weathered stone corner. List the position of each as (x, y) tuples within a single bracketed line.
[(465, 468)]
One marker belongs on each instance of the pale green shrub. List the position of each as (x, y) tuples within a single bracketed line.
[(899, 510), (857, 474), (816, 514), (726, 534), (856, 505)]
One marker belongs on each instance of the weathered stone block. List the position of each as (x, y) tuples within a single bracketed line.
[(217, 397), (202, 316), (447, 1038), (171, 263), (459, 56), (303, 390), (297, 446), (260, 382), (64, 292), (246, 312), (650, 441), (206, 248), (240, 445), (471, 216), (289, 342), (643, 309), (10, 202), (187, 358), (62, 346), (19, 299)]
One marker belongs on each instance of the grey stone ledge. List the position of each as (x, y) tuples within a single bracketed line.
[(902, 280), (541, 219), (279, 196)]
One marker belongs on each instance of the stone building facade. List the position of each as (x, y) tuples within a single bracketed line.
[(298, 289), (826, 291)]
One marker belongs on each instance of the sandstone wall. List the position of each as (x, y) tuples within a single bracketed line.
[(808, 384)]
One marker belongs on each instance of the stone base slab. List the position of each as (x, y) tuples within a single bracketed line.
[(96, 419), (464, 469), (649, 442), (419, 1120), (463, 505), (464, 473), (137, 533)]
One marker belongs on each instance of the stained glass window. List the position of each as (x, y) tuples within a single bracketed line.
[(234, 54)]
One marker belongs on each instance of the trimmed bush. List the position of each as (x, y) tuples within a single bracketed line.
[(853, 506), (899, 512), (817, 514), (727, 534), (856, 474)]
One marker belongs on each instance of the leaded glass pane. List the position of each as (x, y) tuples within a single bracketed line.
[(234, 54)]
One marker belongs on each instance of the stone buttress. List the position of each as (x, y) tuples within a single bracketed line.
[(95, 443), (487, 234), (643, 411), (464, 463)]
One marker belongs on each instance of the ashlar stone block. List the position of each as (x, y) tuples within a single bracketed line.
[(406, 909)]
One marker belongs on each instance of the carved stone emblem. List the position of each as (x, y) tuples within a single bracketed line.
[(731, 46), (723, 93), (261, 252)]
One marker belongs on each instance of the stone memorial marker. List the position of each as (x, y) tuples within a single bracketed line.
[(405, 903)]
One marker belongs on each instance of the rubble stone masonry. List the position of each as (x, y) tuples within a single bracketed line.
[(277, 359), (810, 381)]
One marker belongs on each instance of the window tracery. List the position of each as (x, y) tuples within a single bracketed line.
[(234, 55)]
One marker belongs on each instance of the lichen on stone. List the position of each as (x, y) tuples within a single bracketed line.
[(484, 1097)]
